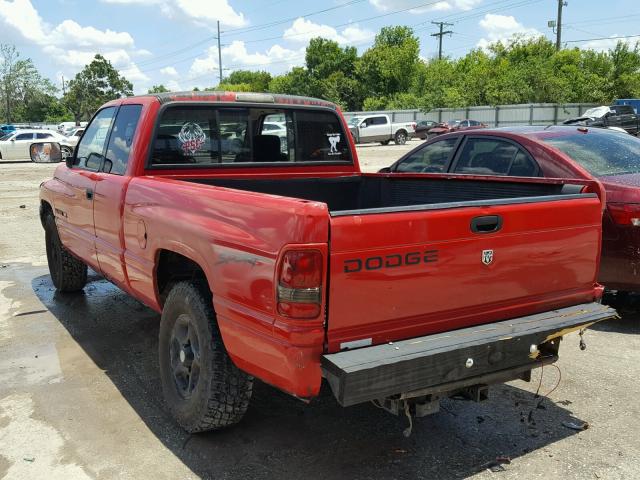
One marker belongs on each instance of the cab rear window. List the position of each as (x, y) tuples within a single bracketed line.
[(200, 136)]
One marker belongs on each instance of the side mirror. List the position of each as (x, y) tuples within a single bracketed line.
[(363, 125), (385, 170), (45, 152)]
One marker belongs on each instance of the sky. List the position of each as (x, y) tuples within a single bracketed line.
[(173, 42)]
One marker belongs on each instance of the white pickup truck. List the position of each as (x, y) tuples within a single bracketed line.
[(378, 128)]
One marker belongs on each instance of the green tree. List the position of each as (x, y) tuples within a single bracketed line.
[(389, 66), (246, 81), (158, 89), (96, 84)]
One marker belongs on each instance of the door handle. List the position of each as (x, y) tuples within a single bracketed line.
[(486, 224), (89, 193)]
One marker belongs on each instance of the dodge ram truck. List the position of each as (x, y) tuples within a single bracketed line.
[(292, 266)]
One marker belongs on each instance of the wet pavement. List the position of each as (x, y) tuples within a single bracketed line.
[(80, 398)]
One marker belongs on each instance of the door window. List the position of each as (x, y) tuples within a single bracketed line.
[(24, 136), (121, 139), (378, 121), (432, 158), (492, 156), (41, 136), (91, 148)]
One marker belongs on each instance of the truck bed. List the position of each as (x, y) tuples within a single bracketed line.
[(374, 193)]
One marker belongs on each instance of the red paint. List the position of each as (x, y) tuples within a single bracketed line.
[(546, 257)]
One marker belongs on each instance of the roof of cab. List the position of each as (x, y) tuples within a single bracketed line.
[(239, 97)]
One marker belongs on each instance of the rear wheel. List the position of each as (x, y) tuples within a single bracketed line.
[(67, 272), (203, 389), (400, 138)]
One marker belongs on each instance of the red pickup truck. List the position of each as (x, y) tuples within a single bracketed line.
[(275, 257)]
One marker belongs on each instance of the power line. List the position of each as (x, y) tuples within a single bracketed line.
[(621, 37), (441, 34)]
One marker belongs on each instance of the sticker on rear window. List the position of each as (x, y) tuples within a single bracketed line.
[(334, 140), (191, 138)]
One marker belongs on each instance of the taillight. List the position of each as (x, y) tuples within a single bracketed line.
[(300, 284), (625, 213)]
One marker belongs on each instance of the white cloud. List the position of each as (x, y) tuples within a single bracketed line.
[(200, 12), (72, 34), (304, 30), (235, 56), (389, 5), (501, 28), (69, 44), (169, 71)]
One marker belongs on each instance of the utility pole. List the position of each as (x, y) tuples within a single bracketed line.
[(219, 54), (561, 3), (441, 34), (64, 89)]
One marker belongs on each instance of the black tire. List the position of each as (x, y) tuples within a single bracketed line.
[(400, 137), (203, 389), (67, 272), (386, 142)]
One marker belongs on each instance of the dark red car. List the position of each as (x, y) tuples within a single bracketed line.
[(560, 152), (454, 126)]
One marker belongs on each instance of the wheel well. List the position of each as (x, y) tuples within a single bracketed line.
[(45, 209), (402, 130), (173, 267)]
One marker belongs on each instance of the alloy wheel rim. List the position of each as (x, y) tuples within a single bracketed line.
[(184, 356)]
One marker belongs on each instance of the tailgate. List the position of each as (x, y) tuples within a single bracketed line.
[(402, 274)]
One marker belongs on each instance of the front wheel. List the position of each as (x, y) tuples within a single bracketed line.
[(203, 389), (400, 138), (67, 272)]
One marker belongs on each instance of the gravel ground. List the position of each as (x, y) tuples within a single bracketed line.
[(80, 395)]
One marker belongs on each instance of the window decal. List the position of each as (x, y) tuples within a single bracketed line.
[(334, 140), (191, 138)]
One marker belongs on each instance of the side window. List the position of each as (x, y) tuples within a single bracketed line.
[(121, 139), (379, 120), (491, 156), (40, 136), (320, 137), (189, 135), (432, 158), (91, 148), (24, 136)]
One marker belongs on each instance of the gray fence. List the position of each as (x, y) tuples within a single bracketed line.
[(498, 116)]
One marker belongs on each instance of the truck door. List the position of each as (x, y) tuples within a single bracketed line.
[(380, 128), (74, 211), (110, 190)]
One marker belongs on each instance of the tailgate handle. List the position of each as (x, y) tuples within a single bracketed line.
[(486, 224)]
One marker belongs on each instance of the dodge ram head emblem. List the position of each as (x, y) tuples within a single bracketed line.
[(487, 257)]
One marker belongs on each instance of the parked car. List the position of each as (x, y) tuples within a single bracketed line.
[(6, 129), (297, 267), (378, 128), (423, 127), (74, 135), (454, 126), (556, 152), (614, 117), (15, 145)]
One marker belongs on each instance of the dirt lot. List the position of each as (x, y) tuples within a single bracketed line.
[(80, 395)]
